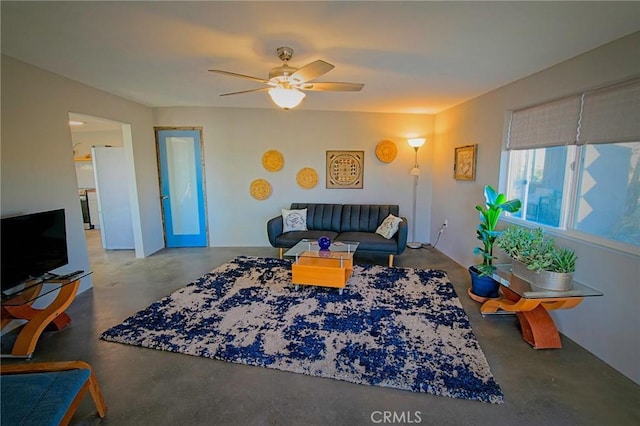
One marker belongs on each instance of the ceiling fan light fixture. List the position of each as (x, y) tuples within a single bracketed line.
[(286, 82), (286, 98)]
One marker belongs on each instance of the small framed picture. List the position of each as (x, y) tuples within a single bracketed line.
[(464, 167)]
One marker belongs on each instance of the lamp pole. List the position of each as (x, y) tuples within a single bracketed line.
[(415, 143)]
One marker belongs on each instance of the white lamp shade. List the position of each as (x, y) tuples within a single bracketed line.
[(286, 98), (415, 171), (416, 142)]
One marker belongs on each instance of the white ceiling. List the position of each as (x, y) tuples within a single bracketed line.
[(413, 57)]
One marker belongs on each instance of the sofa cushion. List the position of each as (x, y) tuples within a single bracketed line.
[(389, 226), (294, 220), (365, 217), (321, 216), (370, 241), (289, 239)]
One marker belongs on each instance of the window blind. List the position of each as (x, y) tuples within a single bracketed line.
[(611, 115), (551, 124)]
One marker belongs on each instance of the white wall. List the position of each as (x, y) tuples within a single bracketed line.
[(86, 140), (38, 171), (82, 143), (235, 139), (608, 326)]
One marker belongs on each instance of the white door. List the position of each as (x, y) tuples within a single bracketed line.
[(114, 208)]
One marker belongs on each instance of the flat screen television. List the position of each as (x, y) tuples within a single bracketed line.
[(32, 245)]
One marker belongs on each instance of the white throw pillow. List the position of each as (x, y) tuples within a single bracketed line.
[(294, 220), (389, 226)]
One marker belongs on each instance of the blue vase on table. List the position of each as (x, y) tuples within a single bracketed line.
[(324, 243)]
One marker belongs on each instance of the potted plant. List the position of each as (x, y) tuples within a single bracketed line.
[(537, 259), (482, 284)]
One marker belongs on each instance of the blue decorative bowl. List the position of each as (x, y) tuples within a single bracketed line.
[(324, 243)]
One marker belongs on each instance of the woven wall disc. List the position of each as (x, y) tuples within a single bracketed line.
[(307, 178), (260, 189), (386, 151), (272, 160)]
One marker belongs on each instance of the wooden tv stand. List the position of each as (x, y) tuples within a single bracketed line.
[(19, 307)]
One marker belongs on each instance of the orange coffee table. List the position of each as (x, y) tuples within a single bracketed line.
[(325, 268)]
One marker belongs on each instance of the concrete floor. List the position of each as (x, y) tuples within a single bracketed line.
[(142, 386)]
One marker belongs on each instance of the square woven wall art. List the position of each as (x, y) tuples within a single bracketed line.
[(345, 169)]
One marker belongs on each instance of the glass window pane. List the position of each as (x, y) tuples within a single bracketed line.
[(609, 192), (537, 178), (183, 187)]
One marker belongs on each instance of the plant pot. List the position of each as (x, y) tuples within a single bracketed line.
[(555, 281), (483, 286), (520, 270)]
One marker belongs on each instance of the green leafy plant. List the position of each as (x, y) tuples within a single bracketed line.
[(536, 250), (564, 260), (490, 212)]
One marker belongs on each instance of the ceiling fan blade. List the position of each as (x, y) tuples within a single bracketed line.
[(332, 87), (248, 77), (262, 89), (310, 71)]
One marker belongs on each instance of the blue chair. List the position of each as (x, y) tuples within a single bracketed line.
[(46, 393)]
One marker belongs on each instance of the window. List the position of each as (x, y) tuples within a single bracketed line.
[(538, 181), (608, 192), (575, 164)]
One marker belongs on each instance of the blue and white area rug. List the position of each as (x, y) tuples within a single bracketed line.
[(396, 327)]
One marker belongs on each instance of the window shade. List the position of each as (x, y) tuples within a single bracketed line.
[(611, 114), (551, 124)]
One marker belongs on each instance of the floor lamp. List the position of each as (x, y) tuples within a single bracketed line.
[(415, 143)]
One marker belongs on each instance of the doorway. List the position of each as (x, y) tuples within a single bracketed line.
[(182, 190), (87, 134)]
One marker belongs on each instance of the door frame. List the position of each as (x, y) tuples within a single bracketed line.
[(157, 129), (127, 144)]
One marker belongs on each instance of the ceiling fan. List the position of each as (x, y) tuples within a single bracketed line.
[(286, 82)]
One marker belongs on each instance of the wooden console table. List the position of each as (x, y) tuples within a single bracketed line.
[(531, 305), (18, 306)]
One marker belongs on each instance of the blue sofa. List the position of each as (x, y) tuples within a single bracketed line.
[(343, 222)]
